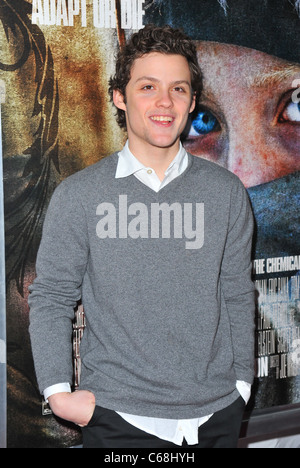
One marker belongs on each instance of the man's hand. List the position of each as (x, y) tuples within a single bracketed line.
[(77, 407)]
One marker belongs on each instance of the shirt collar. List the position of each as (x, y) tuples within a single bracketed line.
[(128, 164)]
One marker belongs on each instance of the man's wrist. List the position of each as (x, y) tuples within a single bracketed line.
[(64, 387)]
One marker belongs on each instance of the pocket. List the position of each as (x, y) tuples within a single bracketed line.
[(92, 420), (97, 414), (242, 402)]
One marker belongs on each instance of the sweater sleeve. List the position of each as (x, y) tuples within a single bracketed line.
[(236, 282), (60, 266)]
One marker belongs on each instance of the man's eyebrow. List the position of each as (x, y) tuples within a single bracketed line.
[(181, 82), (147, 78), (156, 80), (274, 76)]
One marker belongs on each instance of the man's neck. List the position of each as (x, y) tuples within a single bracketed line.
[(158, 159)]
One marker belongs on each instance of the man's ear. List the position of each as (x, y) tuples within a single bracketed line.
[(193, 104), (118, 100)]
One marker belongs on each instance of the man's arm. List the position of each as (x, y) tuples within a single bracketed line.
[(60, 267), (237, 284)]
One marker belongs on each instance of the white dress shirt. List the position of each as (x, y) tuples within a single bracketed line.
[(172, 430)]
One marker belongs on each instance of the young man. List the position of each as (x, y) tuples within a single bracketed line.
[(156, 243)]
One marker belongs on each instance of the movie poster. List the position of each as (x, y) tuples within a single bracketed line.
[(56, 57)]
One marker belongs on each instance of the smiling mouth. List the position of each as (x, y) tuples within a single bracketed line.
[(162, 118)]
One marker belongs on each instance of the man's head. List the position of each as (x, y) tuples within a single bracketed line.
[(164, 40)]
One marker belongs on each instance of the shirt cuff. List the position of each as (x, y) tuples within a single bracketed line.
[(58, 388), (244, 389)]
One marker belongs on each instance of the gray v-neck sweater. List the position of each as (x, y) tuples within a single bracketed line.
[(165, 281)]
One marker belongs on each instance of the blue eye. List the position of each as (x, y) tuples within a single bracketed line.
[(291, 112), (204, 123)]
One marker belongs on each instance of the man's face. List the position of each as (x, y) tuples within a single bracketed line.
[(249, 122), (158, 101)]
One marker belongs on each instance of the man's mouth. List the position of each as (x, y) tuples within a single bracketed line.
[(162, 118)]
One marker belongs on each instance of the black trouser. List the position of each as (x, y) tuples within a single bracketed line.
[(107, 429)]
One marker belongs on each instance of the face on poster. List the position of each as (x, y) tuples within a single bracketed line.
[(250, 116), (249, 122), (63, 52)]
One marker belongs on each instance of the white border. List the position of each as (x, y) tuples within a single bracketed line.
[(3, 417)]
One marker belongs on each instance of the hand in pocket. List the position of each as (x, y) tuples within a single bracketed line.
[(77, 407)]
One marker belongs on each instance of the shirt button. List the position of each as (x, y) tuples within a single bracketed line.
[(149, 171)]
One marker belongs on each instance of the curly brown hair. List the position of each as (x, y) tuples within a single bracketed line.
[(151, 38)]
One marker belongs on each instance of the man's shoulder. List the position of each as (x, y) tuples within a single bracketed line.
[(94, 175), (106, 167), (212, 172)]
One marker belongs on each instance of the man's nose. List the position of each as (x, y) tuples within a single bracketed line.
[(164, 99)]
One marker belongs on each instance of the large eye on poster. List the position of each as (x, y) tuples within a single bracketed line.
[(56, 58)]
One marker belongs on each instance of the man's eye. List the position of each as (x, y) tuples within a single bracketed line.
[(147, 87), (204, 123), (291, 112)]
